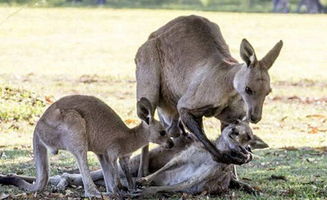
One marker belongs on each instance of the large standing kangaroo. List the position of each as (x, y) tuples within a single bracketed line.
[(186, 71)]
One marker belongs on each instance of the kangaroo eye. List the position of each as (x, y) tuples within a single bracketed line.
[(236, 133), (248, 91), (162, 133)]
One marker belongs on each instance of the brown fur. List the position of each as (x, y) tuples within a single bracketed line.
[(193, 171), (84, 123), (186, 70)]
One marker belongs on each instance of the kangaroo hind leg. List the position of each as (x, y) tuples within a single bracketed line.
[(74, 139)]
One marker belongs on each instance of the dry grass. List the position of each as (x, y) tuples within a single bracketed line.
[(104, 41)]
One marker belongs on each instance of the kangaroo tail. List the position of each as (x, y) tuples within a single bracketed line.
[(42, 169)]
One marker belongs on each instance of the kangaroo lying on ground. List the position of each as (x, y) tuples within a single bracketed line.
[(84, 123), (194, 171), (186, 71)]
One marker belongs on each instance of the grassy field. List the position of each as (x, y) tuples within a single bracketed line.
[(48, 53)]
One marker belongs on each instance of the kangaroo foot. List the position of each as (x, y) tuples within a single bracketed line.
[(93, 193)]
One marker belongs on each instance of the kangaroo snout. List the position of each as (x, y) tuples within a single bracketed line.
[(169, 144), (255, 118), (256, 113)]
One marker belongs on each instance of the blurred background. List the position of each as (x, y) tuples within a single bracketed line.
[(283, 6), (53, 48)]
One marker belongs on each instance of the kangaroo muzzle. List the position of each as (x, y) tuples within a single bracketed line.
[(254, 115), (170, 144)]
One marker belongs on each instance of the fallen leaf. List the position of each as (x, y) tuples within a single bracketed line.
[(276, 98), (283, 119), (313, 130), (257, 188), (323, 149), (316, 116), (294, 98), (130, 121), (290, 148), (49, 99)]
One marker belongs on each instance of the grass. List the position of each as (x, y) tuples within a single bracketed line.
[(48, 53), (259, 6)]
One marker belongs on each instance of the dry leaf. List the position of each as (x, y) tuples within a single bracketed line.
[(283, 119), (290, 148), (313, 130), (257, 188), (316, 116), (323, 149), (130, 121), (49, 99)]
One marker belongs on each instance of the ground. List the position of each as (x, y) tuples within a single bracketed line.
[(48, 53)]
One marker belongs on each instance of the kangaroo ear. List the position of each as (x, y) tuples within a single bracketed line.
[(258, 143), (271, 56), (247, 53), (144, 110)]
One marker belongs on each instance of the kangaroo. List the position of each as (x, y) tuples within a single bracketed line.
[(194, 171), (84, 123), (185, 69)]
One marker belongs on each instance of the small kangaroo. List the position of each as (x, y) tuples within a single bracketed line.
[(186, 70), (194, 171), (80, 124)]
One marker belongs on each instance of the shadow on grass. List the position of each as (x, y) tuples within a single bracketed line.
[(277, 173), (288, 173)]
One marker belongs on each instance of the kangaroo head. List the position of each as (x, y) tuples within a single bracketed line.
[(236, 137), (157, 133), (239, 132), (252, 81)]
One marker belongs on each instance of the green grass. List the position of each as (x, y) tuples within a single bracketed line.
[(48, 53)]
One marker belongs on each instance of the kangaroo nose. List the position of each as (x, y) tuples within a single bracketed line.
[(255, 119), (170, 144)]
